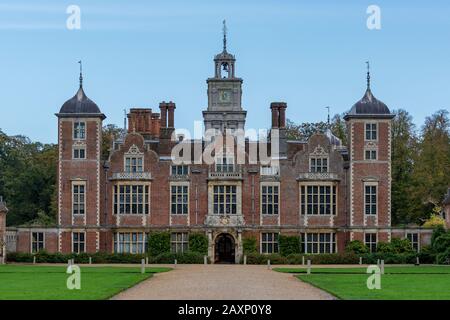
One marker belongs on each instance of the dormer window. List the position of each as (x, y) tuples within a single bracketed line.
[(133, 164), (79, 130), (371, 132), (318, 164)]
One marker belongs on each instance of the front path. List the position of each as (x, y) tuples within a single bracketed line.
[(223, 282)]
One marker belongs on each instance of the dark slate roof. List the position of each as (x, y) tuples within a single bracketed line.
[(80, 104), (447, 198), (369, 106), (224, 55)]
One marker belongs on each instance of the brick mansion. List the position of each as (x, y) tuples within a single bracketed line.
[(323, 191)]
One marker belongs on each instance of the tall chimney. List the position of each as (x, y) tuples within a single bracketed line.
[(274, 108), (282, 114), (171, 116), (163, 107)]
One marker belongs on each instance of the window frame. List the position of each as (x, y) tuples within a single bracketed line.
[(265, 244), (229, 164), (306, 206), (40, 244), (79, 148), (371, 130), (370, 204), (315, 158), (184, 195), (225, 193), (78, 203), (76, 131), (119, 199), (317, 244), (127, 167), (273, 203), (182, 244), (371, 151), (127, 240), (414, 244), (371, 244), (78, 243), (175, 167)]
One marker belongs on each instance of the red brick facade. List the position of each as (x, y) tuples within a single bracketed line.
[(327, 193)]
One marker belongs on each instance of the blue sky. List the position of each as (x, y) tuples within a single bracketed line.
[(310, 54)]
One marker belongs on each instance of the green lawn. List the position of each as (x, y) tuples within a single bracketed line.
[(398, 283), (28, 282)]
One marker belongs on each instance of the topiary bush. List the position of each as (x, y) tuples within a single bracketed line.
[(198, 243), (401, 245), (289, 245), (158, 243), (384, 247), (249, 245), (258, 258), (356, 247), (442, 243)]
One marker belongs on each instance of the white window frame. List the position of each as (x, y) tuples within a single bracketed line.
[(273, 243), (370, 184), (78, 243), (118, 195), (273, 195), (270, 170), (180, 245), (318, 243), (220, 166), (370, 244), (316, 166), (37, 242), (78, 148), (412, 234), (138, 245), (370, 150), (225, 193), (128, 163), (78, 195), (177, 195), (304, 203), (184, 170), (371, 130), (76, 132)]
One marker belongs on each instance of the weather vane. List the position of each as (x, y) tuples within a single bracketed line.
[(224, 35), (81, 73), (328, 119), (368, 74)]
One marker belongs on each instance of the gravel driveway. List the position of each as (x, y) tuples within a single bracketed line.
[(223, 282)]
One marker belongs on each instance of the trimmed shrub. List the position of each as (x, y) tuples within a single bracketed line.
[(182, 258), (198, 243), (289, 245), (249, 245), (401, 245), (158, 243), (357, 247), (258, 258), (444, 257)]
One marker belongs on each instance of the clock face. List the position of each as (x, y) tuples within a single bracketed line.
[(225, 96)]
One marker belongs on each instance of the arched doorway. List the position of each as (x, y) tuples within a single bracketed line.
[(224, 249)]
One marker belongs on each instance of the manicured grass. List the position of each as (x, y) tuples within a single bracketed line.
[(27, 282), (398, 283)]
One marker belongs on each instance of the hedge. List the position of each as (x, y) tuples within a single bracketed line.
[(342, 258), (182, 258), (249, 245)]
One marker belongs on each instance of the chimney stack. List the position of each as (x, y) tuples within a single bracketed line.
[(163, 107), (278, 114)]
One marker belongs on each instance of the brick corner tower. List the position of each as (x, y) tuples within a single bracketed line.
[(369, 133), (79, 173)]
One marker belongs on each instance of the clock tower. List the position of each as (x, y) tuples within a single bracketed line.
[(224, 93)]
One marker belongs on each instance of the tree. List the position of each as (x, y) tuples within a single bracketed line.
[(431, 171), (404, 143), (110, 133), (339, 128)]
